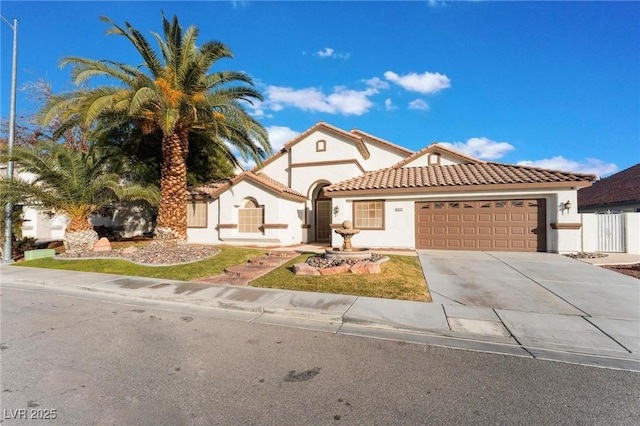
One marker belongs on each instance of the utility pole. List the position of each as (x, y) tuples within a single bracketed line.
[(7, 249)]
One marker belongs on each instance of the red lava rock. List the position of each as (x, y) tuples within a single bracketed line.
[(334, 270), (305, 269), (366, 268), (103, 244)]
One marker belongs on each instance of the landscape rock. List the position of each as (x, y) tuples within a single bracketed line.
[(366, 268), (340, 269), (103, 244), (128, 250), (305, 269)]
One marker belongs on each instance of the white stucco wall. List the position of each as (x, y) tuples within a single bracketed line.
[(277, 211), (336, 148), (38, 225), (381, 157), (278, 169), (589, 232), (208, 235), (632, 221)]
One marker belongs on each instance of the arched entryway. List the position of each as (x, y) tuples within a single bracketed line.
[(322, 214)]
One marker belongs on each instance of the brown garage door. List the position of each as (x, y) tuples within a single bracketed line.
[(514, 225)]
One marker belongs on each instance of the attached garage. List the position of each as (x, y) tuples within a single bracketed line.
[(509, 225), (442, 200)]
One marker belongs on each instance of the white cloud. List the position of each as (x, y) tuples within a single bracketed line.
[(377, 83), (422, 83), (388, 104), (328, 52), (341, 101), (419, 104), (590, 165), (482, 148), (279, 135)]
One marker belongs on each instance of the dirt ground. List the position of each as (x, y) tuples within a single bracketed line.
[(631, 270)]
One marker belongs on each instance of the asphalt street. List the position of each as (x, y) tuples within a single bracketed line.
[(105, 359)]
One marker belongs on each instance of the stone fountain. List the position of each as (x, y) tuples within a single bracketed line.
[(347, 251)]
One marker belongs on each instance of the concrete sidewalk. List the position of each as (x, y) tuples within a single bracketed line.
[(503, 331)]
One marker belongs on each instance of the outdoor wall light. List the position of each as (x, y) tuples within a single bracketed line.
[(567, 205), (336, 210)]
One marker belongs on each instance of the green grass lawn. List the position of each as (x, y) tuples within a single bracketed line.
[(228, 256), (401, 278)]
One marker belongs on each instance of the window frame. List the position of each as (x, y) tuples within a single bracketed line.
[(242, 224), (192, 213), (355, 218)]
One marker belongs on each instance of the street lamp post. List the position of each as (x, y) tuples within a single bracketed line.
[(7, 249)]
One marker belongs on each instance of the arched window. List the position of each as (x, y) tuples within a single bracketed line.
[(250, 217)]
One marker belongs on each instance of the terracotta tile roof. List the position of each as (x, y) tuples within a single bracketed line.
[(214, 189), (435, 147), (463, 176), (621, 187), (210, 189)]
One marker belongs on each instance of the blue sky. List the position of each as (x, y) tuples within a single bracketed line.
[(550, 84)]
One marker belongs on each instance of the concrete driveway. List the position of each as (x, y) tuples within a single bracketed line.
[(539, 296)]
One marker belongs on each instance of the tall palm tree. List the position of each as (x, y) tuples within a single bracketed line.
[(63, 180), (173, 92)]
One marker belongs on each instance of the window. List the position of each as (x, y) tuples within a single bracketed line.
[(250, 217), (197, 214), (321, 146), (434, 159), (368, 214)]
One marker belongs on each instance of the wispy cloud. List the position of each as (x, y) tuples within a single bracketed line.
[(589, 165), (426, 82), (328, 52), (388, 105), (483, 148), (419, 104)]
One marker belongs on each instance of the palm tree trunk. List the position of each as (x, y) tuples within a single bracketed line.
[(172, 211), (79, 235)]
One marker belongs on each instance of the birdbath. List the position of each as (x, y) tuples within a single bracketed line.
[(346, 232)]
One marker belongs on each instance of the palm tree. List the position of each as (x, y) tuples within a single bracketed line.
[(175, 93), (63, 180)]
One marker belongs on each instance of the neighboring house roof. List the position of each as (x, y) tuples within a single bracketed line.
[(457, 177), (356, 136), (622, 187), (214, 189), (436, 148)]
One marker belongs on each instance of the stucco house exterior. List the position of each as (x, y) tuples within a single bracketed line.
[(435, 198)]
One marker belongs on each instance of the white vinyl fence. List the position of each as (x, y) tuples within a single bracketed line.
[(610, 232)]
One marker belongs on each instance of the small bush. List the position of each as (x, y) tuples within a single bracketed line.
[(21, 245)]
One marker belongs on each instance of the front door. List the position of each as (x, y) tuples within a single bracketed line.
[(323, 220)]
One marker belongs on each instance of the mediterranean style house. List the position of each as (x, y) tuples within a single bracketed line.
[(435, 198)]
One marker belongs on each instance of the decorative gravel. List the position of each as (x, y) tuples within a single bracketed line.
[(321, 263), (153, 254), (585, 255), (631, 270)]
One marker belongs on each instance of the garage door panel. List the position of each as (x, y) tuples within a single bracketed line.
[(517, 225)]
